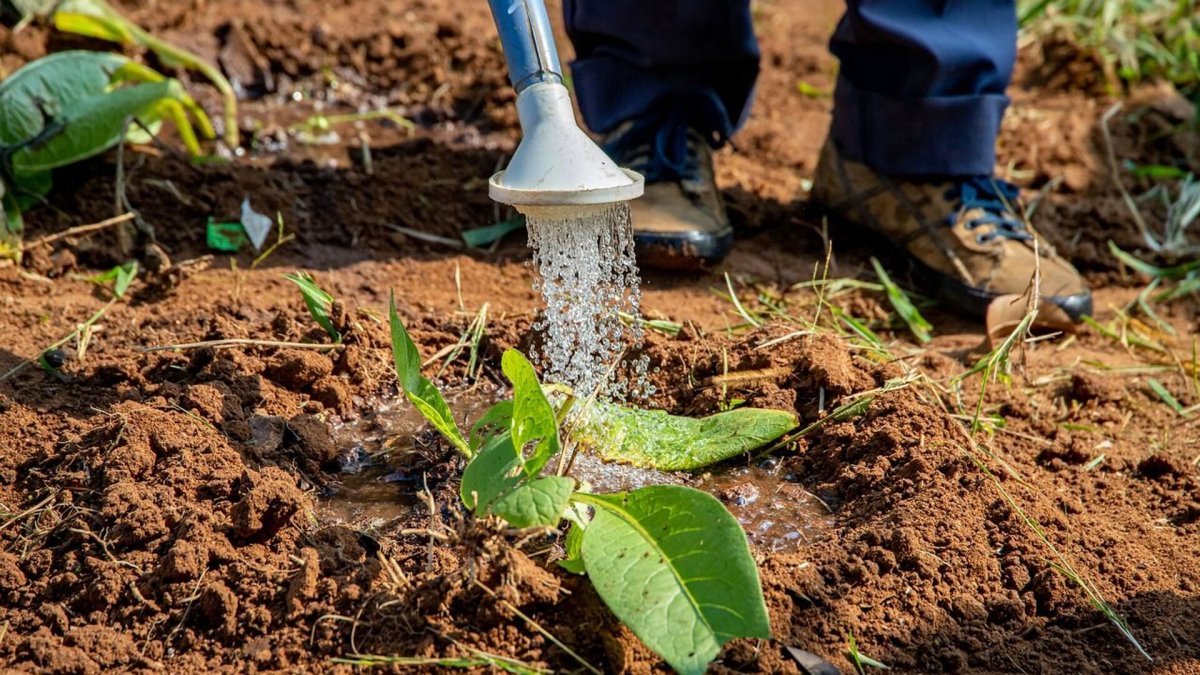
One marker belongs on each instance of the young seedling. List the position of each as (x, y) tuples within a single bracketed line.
[(318, 301), (861, 661), (315, 127), (121, 277), (652, 554)]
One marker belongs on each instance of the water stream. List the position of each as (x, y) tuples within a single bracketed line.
[(588, 278), (776, 511)]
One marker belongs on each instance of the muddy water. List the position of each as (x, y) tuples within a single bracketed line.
[(776, 511)]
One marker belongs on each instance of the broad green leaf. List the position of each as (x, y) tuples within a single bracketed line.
[(67, 107), (674, 566), (652, 438), (91, 126), (537, 503), (533, 419), (494, 484), (498, 417), (319, 303), (50, 86), (494, 470), (420, 391)]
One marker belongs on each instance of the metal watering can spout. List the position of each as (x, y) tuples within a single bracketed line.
[(556, 163)]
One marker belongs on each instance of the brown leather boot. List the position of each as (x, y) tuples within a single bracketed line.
[(680, 222), (966, 236)]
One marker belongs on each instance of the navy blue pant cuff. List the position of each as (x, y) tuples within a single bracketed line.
[(932, 136), (612, 91)]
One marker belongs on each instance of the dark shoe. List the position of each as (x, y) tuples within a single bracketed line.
[(965, 236), (680, 222)]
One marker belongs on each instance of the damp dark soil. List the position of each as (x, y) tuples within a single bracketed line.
[(265, 509)]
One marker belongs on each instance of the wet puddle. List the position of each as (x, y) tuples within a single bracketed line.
[(776, 511)]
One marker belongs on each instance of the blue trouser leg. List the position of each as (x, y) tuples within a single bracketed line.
[(921, 86), (920, 91), (634, 57)]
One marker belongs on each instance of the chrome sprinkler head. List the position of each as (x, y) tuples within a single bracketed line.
[(556, 163)]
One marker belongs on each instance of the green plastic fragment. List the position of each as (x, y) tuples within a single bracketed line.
[(226, 237)]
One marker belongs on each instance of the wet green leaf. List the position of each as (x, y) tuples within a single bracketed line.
[(674, 566), (533, 420), (494, 470), (537, 503), (418, 390), (496, 418), (652, 438)]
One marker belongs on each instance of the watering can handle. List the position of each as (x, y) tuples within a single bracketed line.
[(528, 42)]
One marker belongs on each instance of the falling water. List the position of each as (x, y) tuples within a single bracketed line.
[(588, 277)]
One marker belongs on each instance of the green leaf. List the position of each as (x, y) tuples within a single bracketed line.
[(91, 126), (93, 19), (478, 237), (498, 417), (1165, 395), (538, 503), (573, 563), (494, 470), (1176, 272), (418, 390), (917, 325), (533, 420), (68, 106), (51, 85), (652, 438), (494, 484), (674, 566), (319, 303), (121, 276)]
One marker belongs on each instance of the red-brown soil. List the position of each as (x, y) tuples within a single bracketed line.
[(162, 509)]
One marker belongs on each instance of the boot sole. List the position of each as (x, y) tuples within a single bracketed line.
[(947, 289), (683, 251)]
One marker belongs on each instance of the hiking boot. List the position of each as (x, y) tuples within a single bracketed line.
[(680, 221), (964, 235)]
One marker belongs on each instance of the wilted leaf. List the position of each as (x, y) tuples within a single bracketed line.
[(652, 438)]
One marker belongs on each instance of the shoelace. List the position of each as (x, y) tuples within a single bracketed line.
[(663, 147), (996, 198)]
